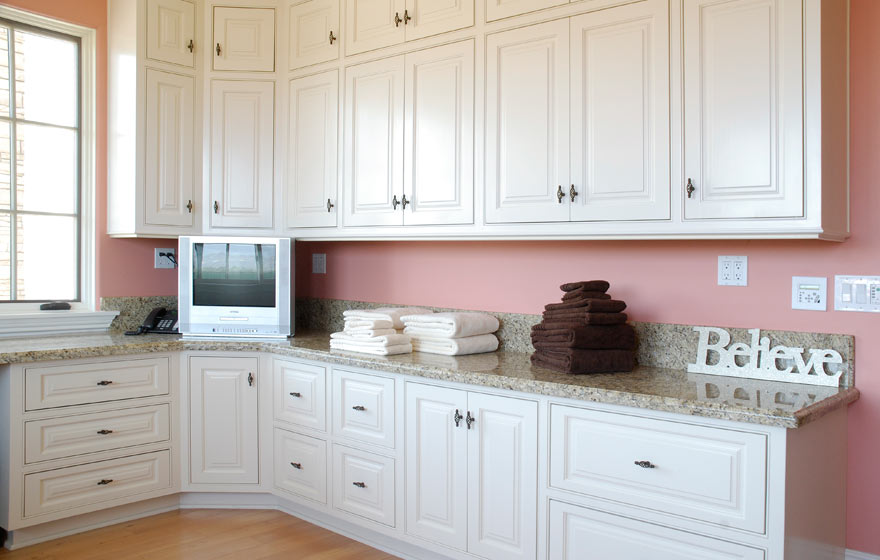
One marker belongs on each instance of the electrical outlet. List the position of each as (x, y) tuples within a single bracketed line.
[(733, 271), (810, 293), (319, 263), (161, 260)]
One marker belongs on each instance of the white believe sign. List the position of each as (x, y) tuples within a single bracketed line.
[(760, 361)]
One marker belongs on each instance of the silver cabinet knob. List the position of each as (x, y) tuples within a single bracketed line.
[(646, 464)]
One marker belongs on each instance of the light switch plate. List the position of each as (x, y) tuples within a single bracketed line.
[(319, 263), (809, 292), (733, 270), (857, 293)]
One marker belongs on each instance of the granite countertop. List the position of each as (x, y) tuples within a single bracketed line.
[(786, 405)]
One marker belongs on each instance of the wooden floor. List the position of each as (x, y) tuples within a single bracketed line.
[(207, 534)]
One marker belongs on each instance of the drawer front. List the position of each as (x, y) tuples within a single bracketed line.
[(708, 474), (578, 533), (66, 385), (94, 483), (54, 438), (300, 394), (363, 407), (364, 484), (301, 465)]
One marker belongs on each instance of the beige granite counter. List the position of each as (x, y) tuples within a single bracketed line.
[(786, 405)]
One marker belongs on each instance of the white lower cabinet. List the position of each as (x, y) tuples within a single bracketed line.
[(301, 465), (364, 484)]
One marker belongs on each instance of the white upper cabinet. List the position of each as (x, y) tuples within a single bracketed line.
[(244, 39), (432, 17), (313, 32), (497, 9), (171, 31)]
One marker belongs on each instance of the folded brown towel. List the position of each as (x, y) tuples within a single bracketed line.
[(575, 360), (621, 337), (560, 320), (587, 285), (589, 304), (579, 295)]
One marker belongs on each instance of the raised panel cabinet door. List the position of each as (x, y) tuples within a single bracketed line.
[(432, 17), (364, 484), (373, 24), (223, 421), (743, 109), (439, 136), (620, 113), (436, 464), (497, 9), (312, 148), (374, 143), (170, 150), (314, 32), (300, 394), (244, 39), (171, 31), (301, 465), (527, 124), (242, 144), (502, 477)]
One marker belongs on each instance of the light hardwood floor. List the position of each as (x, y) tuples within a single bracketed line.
[(203, 534)]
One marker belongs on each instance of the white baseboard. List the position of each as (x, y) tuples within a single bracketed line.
[(856, 555)]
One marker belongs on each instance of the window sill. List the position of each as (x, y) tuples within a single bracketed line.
[(17, 325)]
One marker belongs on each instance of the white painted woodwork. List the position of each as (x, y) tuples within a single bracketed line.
[(312, 150), (432, 17), (743, 110), (71, 487), (242, 153), (439, 135), (436, 465), (171, 31), (169, 183), (364, 484), (497, 9), (502, 477), (708, 474), (309, 28), (246, 37), (374, 107), (620, 113), (301, 465), (578, 533), (300, 394), (363, 407), (371, 24), (527, 123), (223, 420), (66, 385), (68, 436)]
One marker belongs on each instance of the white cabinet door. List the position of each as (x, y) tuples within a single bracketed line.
[(432, 17), (364, 484), (363, 407), (313, 32), (171, 31), (502, 477), (300, 394), (373, 24), (244, 39), (436, 464), (374, 143), (620, 113), (223, 421), (527, 123), (743, 110), (497, 9), (312, 133), (170, 149), (242, 144), (301, 465), (439, 135)]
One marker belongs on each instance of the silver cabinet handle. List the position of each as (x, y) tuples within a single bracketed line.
[(295, 394), (457, 417), (469, 420), (646, 464), (394, 202), (359, 484), (690, 188), (404, 201), (250, 379), (572, 193), (330, 205), (216, 207), (559, 194), (359, 408)]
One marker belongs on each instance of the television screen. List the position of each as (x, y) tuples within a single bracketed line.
[(233, 275)]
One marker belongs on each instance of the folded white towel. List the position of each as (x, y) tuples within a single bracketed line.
[(392, 314), (367, 349), (368, 333), (455, 346), (450, 325), (368, 324), (392, 339)]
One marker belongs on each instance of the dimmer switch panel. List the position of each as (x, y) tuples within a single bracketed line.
[(857, 293), (809, 292)]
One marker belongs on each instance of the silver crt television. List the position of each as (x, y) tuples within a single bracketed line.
[(235, 287)]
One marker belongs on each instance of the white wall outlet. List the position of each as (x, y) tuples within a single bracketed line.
[(319, 263), (161, 260), (733, 271), (857, 293), (809, 292)]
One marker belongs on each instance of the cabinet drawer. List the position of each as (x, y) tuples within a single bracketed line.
[(300, 394), (709, 474), (94, 483), (363, 407), (578, 533), (66, 385), (364, 484), (54, 438), (301, 465)]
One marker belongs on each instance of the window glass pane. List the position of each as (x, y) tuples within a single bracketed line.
[(5, 262), (46, 85), (46, 168), (5, 164), (4, 71), (47, 257)]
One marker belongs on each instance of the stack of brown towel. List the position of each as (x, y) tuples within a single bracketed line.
[(586, 333)]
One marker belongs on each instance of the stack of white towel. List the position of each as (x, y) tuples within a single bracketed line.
[(375, 331), (452, 334)]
